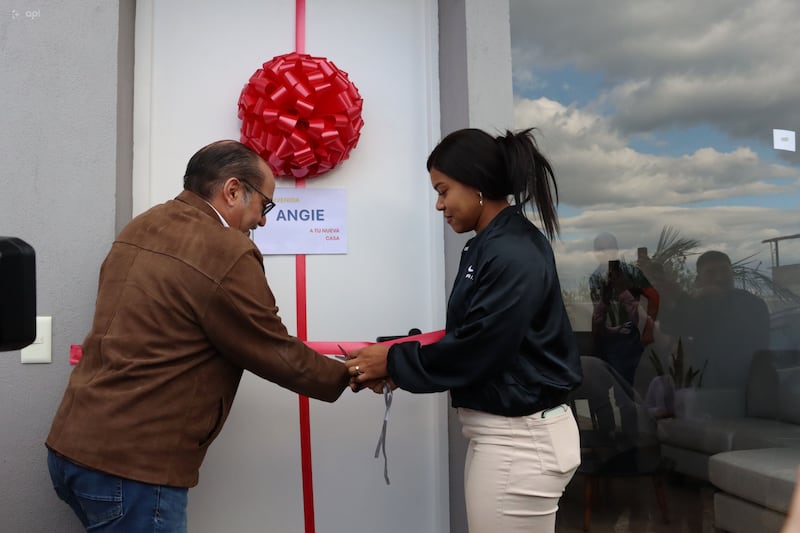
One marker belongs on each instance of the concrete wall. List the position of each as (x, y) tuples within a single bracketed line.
[(66, 151), (476, 92)]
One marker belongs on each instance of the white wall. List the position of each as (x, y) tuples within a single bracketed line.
[(192, 59)]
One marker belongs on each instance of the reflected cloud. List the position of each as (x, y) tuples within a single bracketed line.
[(596, 167), (668, 120), (729, 63), (735, 230)]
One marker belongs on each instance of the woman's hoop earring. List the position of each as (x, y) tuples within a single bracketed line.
[(480, 198)]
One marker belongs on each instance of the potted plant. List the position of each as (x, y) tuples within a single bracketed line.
[(673, 388)]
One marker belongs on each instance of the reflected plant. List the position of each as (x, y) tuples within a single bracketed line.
[(671, 253), (578, 295), (682, 377), (752, 279)]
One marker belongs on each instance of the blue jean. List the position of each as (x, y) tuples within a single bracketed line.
[(104, 502)]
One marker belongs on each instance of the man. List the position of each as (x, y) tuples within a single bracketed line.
[(182, 309), (720, 326)]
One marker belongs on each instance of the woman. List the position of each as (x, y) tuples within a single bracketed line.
[(508, 357)]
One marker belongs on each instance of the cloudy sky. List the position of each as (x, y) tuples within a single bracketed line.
[(660, 113)]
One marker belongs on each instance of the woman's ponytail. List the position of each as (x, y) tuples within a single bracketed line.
[(531, 177)]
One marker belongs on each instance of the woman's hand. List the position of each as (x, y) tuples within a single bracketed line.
[(367, 367)]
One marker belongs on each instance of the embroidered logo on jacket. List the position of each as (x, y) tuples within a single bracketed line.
[(470, 273)]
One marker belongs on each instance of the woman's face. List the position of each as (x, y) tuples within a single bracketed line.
[(459, 203)]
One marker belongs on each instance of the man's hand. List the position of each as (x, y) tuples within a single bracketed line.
[(375, 384)]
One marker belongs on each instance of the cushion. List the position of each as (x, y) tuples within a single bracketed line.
[(770, 372), (765, 433), (714, 402), (739, 516), (789, 395), (762, 387), (766, 476), (710, 436)]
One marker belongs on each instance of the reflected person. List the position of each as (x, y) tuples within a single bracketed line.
[(720, 325), (621, 325)]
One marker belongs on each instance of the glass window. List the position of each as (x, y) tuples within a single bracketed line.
[(671, 130)]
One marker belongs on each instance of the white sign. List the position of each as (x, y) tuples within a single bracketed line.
[(783, 140), (305, 221)]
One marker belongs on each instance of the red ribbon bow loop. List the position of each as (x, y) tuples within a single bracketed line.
[(301, 114)]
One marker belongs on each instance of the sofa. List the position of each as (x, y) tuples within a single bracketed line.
[(753, 488), (746, 442)]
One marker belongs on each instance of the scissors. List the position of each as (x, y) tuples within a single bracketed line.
[(344, 356)]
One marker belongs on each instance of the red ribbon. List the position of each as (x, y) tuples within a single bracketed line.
[(75, 353), (301, 114), (332, 348), (324, 347)]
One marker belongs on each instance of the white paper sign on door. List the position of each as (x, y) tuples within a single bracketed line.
[(305, 221)]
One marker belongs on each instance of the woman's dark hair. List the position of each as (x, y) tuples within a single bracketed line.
[(213, 164), (509, 164)]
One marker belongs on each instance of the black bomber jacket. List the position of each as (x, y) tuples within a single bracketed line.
[(509, 348)]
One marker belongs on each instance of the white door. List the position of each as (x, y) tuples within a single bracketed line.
[(192, 59)]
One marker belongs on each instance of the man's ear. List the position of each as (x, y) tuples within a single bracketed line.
[(231, 189)]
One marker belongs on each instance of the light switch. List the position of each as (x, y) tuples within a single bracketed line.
[(40, 350)]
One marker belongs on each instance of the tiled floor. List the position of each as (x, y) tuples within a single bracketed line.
[(628, 505)]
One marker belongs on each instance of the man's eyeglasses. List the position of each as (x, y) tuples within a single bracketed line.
[(268, 206)]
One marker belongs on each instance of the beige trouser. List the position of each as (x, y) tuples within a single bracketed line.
[(517, 468)]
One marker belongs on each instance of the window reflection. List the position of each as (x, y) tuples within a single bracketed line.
[(680, 249)]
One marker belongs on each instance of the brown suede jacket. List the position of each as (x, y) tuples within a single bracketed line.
[(182, 309)]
